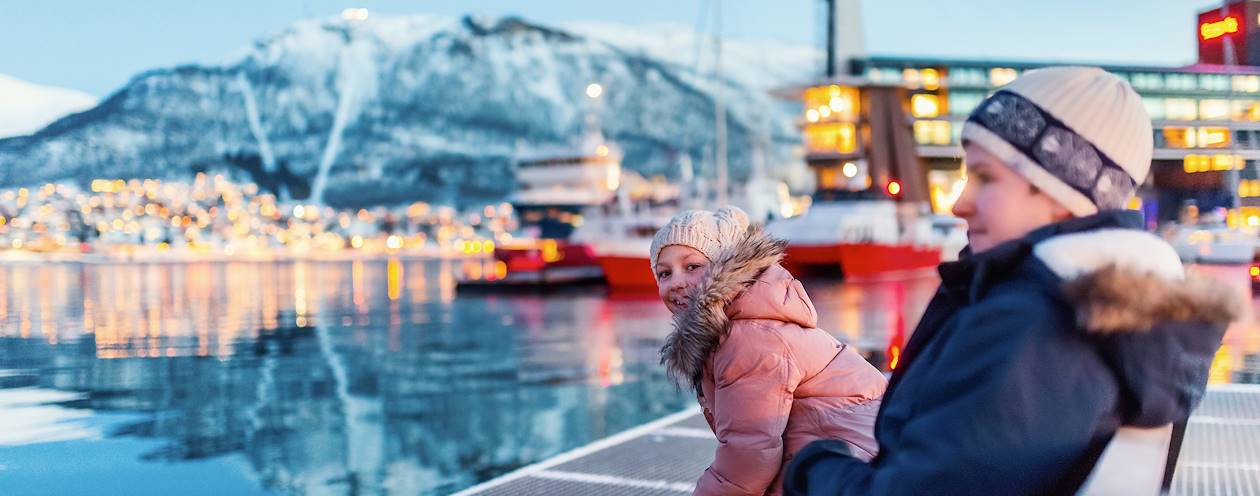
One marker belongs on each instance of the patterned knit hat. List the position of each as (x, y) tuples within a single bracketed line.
[(1079, 134), (707, 232)]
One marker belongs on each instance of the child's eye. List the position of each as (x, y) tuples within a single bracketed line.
[(693, 266)]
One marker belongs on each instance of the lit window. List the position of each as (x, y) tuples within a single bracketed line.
[(1226, 162), (1246, 110), (1000, 76), (828, 178), (1197, 163), (840, 137), (1180, 137), (1249, 188), (1213, 110), (1219, 162), (931, 79), (831, 103), (1247, 84), (1154, 107), (1213, 137), (933, 132), (911, 78), (1180, 109), (942, 133), (923, 105)]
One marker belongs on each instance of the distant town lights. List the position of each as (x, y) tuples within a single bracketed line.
[(594, 90), (355, 14)]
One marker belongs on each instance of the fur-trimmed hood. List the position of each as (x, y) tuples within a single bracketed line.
[(1156, 326), (700, 328), (1125, 280)]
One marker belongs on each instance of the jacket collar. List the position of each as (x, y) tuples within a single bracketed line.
[(967, 279)]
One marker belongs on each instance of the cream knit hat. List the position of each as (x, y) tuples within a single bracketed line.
[(1079, 134), (707, 232)]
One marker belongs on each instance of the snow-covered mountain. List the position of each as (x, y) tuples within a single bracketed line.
[(27, 107), (420, 107)]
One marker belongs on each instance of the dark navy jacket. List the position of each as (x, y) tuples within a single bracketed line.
[(1017, 377)]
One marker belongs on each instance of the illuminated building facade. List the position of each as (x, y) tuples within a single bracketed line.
[(1206, 118)]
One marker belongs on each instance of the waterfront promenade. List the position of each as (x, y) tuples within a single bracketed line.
[(1219, 456)]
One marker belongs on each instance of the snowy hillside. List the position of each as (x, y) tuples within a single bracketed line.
[(26, 107), (420, 107)]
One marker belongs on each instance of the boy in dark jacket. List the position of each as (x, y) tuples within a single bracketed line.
[(1061, 322)]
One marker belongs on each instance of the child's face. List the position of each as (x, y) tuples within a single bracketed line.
[(1000, 205), (678, 269)]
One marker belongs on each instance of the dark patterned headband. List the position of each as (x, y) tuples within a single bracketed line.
[(1055, 147)]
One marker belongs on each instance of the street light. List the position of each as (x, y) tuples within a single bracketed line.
[(593, 90)]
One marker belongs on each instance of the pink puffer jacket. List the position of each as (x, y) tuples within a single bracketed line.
[(768, 380)]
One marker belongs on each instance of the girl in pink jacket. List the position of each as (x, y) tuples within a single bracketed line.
[(745, 338)]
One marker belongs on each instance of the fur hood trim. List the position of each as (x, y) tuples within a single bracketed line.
[(1125, 280)]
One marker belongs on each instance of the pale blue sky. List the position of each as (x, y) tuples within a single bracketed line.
[(96, 46)]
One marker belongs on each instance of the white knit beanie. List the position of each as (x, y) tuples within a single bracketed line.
[(1079, 134), (707, 232)]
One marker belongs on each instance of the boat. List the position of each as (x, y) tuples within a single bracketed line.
[(558, 188), (1215, 244), (622, 241), (857, 238), (869, 215), (620, 245)]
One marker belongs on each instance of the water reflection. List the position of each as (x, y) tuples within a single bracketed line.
[(370, 376), (366, 376)]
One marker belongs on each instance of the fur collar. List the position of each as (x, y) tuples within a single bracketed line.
[(1125, 280), (700, 328)]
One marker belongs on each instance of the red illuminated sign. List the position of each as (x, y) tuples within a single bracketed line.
[(1221, 30), (1210, 30)]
